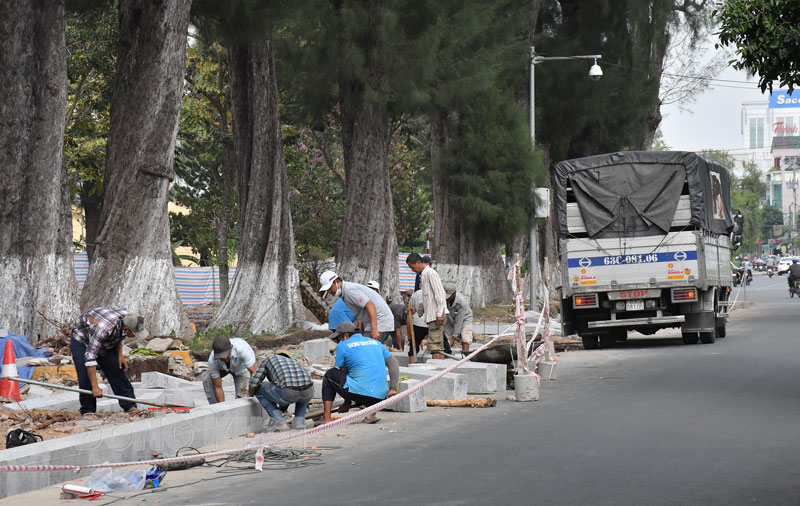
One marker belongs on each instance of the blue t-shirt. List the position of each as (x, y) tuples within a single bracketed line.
[(365, 360), (339, 313)]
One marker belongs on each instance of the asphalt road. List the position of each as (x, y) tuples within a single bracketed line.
[(652, 422)]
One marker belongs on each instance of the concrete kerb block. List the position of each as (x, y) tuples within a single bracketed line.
[(414, 403), (449, 386), (402, 358), (161, 380), (317, 350), (482, 378), (204, 426)]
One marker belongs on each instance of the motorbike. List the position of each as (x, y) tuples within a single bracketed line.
[(737, 277), (770, 271), (794, 288)]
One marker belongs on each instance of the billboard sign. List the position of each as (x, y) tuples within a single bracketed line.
[(781, 99)]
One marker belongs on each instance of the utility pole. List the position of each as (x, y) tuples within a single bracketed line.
[(595, 73)]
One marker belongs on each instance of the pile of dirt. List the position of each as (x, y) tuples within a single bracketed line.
[(298, 337), (55, 424)]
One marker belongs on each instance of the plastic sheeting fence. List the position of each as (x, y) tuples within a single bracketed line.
[(200, 285)]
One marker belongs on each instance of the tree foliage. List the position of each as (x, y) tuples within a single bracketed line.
[(203, 158), (766, 37), (91, 37)]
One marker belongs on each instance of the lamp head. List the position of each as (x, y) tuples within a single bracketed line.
[(595, 72)]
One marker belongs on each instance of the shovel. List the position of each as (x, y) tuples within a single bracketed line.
[(89, 392)]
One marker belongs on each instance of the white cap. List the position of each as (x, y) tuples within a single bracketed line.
[(326, 280), (374, 285)]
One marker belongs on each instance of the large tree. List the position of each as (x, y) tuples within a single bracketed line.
[(766, 35), (265, 296), (132, 265), (36, 269), (481, 154)]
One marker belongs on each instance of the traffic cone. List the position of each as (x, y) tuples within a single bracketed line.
[(9, 389)]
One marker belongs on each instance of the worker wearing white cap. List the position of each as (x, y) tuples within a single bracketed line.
[(367, 304)]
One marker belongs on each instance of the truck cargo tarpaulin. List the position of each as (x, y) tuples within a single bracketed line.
[(635, 193)]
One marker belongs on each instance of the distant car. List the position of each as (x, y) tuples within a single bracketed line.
[(783, 265)]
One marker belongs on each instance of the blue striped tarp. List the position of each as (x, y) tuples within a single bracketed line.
[(200, 285)]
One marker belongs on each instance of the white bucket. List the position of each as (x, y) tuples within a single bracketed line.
[(526, 387)]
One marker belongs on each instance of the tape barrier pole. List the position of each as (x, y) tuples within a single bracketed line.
[(345, 420)]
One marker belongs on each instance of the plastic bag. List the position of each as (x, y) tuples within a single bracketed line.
[(122, 480)]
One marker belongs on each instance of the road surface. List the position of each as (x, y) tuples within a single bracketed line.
[(652, 422)]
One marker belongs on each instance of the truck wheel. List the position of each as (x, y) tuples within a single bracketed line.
[(721, 331), (708, 337), (589, 342), (689, 337), (608, 340)]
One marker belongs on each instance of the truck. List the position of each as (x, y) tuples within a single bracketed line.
[(645, 243)]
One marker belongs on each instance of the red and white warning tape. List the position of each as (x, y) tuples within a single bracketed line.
[(345, 420)]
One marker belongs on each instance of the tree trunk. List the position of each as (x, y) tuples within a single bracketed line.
[(473, 264), (224, 221), (132, 264), (368, 248), (657, 39), (265, 295), (36, 263)]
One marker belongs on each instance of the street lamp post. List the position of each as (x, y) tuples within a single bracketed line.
[(595, 73)]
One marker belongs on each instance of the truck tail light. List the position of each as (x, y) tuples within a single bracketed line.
[(684, 294), (585, 301)]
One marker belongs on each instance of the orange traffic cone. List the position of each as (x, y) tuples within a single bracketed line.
[(9, 389)]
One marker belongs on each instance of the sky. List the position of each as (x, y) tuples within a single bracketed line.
[(713, 120)]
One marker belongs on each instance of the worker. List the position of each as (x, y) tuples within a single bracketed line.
[(278, 382), (228, 356), (419, 324), (417, 279), (434, 306), (339, 313), (458, 324), (398, 315), (367, 304), (97, 338), (359, 373)]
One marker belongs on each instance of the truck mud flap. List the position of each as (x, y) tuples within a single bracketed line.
[(700, 322), (636, 322)]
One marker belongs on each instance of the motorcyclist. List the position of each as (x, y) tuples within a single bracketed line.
[(794, 272), (770, 263), (747, 268)]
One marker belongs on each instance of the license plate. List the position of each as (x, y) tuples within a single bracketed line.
[(634, 305)]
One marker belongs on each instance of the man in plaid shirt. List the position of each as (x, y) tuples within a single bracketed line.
[(97, 337), (287, 383)]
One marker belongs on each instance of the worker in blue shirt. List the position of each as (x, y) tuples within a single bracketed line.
[(359, 375)]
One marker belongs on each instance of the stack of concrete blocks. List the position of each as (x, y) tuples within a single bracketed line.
[(317, 350), (482, 378), (449, 386), (414, 403)]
